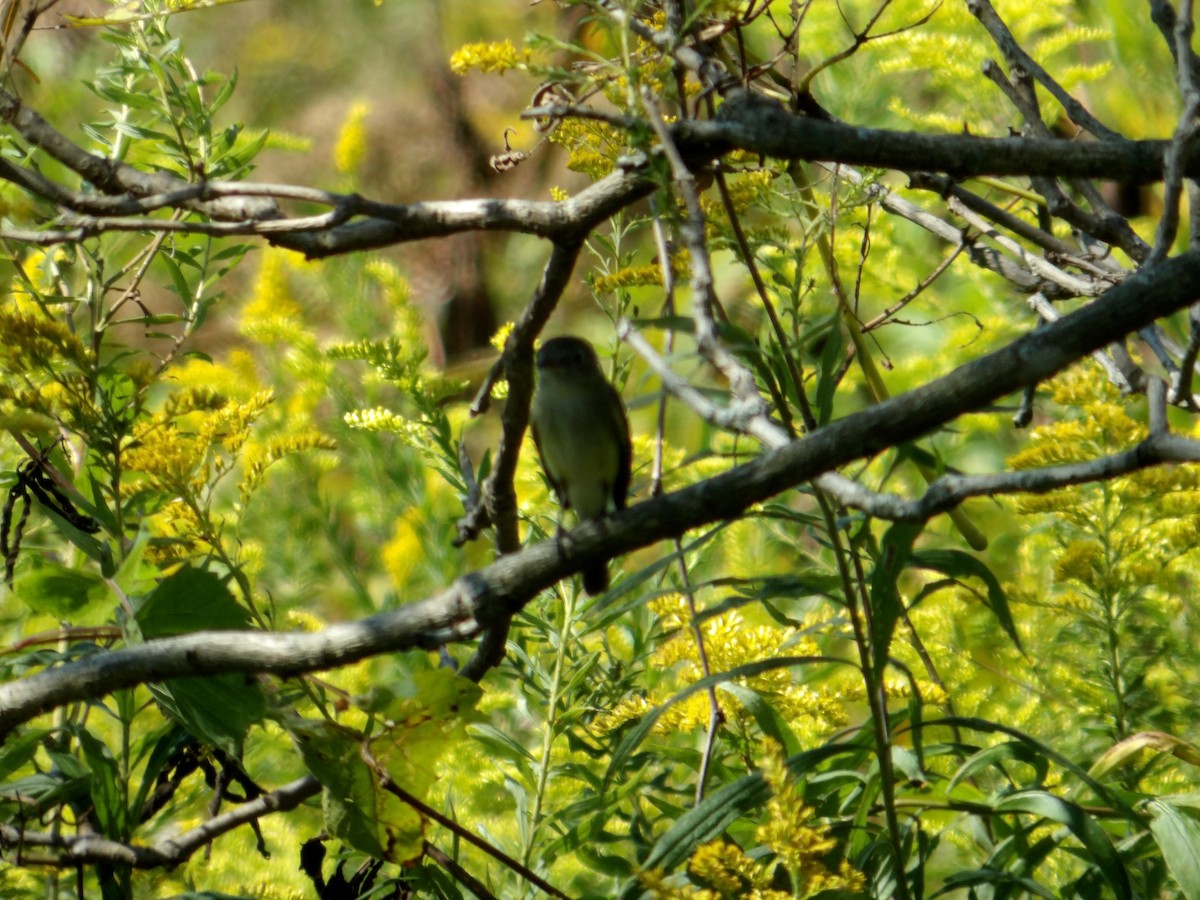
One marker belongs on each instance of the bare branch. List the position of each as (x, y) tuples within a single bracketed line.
[(1018, 59), (951, 490), (499, 494), (692, 230), (1125, 375), (708, 71), (166, 853), (755, 123), (1185, 131)]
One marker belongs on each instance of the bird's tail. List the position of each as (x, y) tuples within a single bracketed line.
[(595, 579)]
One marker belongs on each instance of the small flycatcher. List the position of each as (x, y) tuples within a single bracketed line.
[(582, 436)]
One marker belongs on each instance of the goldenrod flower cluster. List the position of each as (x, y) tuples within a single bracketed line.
[(799, 844), (487, 56), (730, 642)]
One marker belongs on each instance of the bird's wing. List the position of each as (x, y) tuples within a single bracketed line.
[(563, 501)]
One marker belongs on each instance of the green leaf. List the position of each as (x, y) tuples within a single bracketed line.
[(356, 809), (120, 397), (224, 92), (138, 132), (499, 745), (970, 878), (1083, 826), (133, 576), (1112, 798), (958, 564), (886, 603), (112, 818), (349, 807), (19, 750), (1178, 836), (182, 288), (188, 600), (832, 357), (768, 719), (219, 709), (116, 93), (1000, 753), (637, 733), (709, 818), (81, 598), (1131, 748), (96, 550), (162, 744), (422, 726)]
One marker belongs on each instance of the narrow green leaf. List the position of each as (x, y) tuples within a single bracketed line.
[(768, 719), (1113, 798), (998, 754), (224, 92), (1178, 836), (971, 878), (710, 818), (94, 549), (637, 733), (832, 357), (886, 603), (182, 288), (958, 564), (1083, 826), (112, 818), (157, 748)]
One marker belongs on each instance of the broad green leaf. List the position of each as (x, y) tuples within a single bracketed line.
[(419, 730), (348, 795), (217, 709), (71, 595), (19, 750), (188, 600), (357, 809)]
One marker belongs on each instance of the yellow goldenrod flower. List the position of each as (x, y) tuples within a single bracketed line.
[(351, 144), (487, 56)]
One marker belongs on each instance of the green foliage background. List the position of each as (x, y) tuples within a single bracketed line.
[(265, 442)]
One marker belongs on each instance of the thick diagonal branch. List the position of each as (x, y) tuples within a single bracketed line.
[(511, 581)]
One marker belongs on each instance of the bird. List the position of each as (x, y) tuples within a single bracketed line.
[(582, 437)]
